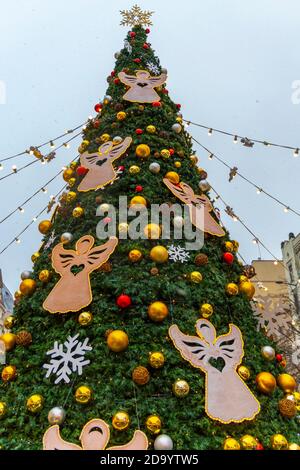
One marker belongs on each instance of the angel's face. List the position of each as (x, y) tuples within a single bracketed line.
[(143, 75)]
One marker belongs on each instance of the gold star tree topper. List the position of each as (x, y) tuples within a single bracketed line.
[(136, 16)]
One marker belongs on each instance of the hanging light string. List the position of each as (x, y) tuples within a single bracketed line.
[(43, 160), (259, 190), (51, 141), (16, 239), (247, 142)]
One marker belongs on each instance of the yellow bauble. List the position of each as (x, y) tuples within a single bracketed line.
[(45, 226), (206, 310), (134, 256), (85, 318), (177, 164), (138, 200), (236, 245), (35, 403), (9, 322), (71, 182), (104, 137), (279, 442), (151, 129), (3, 409), (71, 196), (27, 287), (67, 174), (165, 153), (134, 169), (123, 227), (9, 373), (9, 340), (229, 246), (78, 212), (81, 149), (181, 388), (195, 277), (158, 311), (140, 375), (232, 288), (153, 424), (156, 359), (83, 394), (159, 254), (73, 165), (121, 115), (173, 177), (287, 383), (117, 340), (35, 256), (266, 382), (296, 396), (18, 294), (294, 446), (247, 288), (231, 444), (121, 420), (44, 275), (143, 151), (85, 143), (194, 159), (244, 372), (248, 442), (243, 278), (152, 231)]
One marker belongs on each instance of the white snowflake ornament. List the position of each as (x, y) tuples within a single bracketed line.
[(177, 253), (64, 362), (153, 68), (127, 46)]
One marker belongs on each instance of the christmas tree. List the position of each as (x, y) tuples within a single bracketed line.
[(152, 342)]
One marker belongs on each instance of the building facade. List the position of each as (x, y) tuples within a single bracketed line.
[(291, 258)]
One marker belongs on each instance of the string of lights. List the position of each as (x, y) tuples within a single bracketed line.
[(247, 142), (234, 171)]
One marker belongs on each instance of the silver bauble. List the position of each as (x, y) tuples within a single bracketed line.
[(107, 98), (163, 70), (178, 221), (163, 442), (268, 353), (117, 139), (177, 128), (26, 275), (117, 54), (154, 167), (104, 208), (66, 237), (204, 186), (56, 415)]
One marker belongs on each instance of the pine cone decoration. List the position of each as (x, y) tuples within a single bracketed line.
[(154, 271), (23, 338), (141, 375), (201, 259), (106, 267), (287, 408)]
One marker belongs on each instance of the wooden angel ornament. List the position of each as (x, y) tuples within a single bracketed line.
[(141, 86), (100, 165), (199, 208), (95, 435), (73, 291), (227, 397)]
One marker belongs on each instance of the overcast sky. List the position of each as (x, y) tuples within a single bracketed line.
[(230, 63)]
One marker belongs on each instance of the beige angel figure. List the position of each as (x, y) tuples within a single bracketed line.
[(100, 164), (73, 291), (141, 86), (199, 208), (95, 435), (227, 397)]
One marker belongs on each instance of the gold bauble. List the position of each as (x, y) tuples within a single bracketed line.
[(134, 169), (138, 200), (73, 165), (123, 227), (173, 177), (243, 278), (195, 277), (231, 444), (67, 174), (143, 151), (156, 359), (3, 409), (71, 182), (9, 340), (121, 420), (27, 287), (180, 388), (44, 275), (248, 442), (18, 295), (287, 408), (287, 383), (117, 340), (229, 246), (159, 254), (232, 288), (71, 196), (177, 164), (140, 375), (158, 311), (206, 310), (83, 394), (121, 115), (165, 153), (104, 137), (279, 442), (85, 143), (9, 373), (85, 318), (294, 446), (244, 372), (247, 288), (134, 256), (78, 212), (35, 256), (296, 396), (35, 403), (153, 424), (194, 159), (151, 129), (236, 245), (45, 226), (152, 231), (9, 322), (266, 382)]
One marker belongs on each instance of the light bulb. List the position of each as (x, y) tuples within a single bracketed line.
[(52, 144), (17, 240), (258, 191), (67, 145), (21, 210), (14, 168), (44, 190), (235, 139), (275, 262), (34, 219), (210, 157), (1, 167), (296, 153), (286, 209), (210, 131)]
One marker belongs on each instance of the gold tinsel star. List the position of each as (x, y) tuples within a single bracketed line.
[(136, 16)]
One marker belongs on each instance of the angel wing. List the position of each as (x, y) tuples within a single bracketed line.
[(192, 348), (158, 80), (179, 190), (117, 150), (52, 440), (129, 80), (138, 442), (230, 346), (62, 259), (100, 254)]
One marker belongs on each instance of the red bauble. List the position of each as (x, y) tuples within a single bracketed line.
[(165, 91), (259, 446), (98, 107), (156, 104), (137, 61), (178, 106), (81, 170), (145, 46), (279, 357), (172, 151), (113, 73), (96, 123), (139, 188), (147, 31), (121, 168), (123, 301), (139, 131), (116, 81), (107, 220), (132, 34), (228, 257)]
